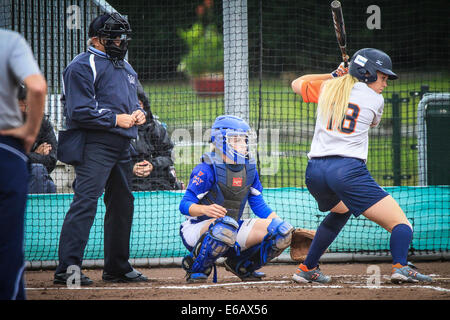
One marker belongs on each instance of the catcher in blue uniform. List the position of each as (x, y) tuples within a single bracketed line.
[(218, 190)]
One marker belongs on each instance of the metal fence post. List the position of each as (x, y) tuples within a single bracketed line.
[(235, 41), (396, 138)]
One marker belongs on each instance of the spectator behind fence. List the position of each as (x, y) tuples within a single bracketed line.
[(102, 113), (151, 154), (42, 157), (17, 64)]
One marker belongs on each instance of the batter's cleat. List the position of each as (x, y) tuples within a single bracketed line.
[(304, 275), (197, 277), (407, 274)]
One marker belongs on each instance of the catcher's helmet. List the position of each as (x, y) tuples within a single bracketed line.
[(366, 62), (227, 131), (112, 27)]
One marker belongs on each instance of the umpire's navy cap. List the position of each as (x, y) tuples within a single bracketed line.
[(97, 24)]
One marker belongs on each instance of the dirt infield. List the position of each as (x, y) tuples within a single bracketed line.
[(350, 282)]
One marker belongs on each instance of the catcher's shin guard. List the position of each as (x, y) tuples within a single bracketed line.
[(212, 245), (278, 238)]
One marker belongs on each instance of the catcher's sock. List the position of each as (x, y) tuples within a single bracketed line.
[(327, 231), (401, 237)]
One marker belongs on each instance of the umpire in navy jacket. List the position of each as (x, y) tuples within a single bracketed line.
[(102, 114)]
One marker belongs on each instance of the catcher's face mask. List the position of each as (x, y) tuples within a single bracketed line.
[(237, 145), (241, 143)]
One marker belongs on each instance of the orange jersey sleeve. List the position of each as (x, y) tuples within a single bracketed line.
[(310, 90)]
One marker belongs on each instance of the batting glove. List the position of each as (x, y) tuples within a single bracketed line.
[(340, 71)]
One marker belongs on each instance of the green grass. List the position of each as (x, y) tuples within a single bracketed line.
[(278, 107)]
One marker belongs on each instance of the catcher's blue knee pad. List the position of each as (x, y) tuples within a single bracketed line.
[(278, 238), (279, 235), (213, 244)]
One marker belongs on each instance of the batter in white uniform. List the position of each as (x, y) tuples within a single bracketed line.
[(349, 103)]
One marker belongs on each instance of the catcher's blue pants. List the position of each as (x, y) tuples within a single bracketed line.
[(13, 196), (106, 167)]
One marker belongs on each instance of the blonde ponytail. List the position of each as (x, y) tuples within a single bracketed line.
[(334, 98)]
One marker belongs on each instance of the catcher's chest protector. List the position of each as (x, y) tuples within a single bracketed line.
[(232, 187)]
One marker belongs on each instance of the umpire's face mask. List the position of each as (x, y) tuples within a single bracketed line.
[(115, 36), (116, 48)]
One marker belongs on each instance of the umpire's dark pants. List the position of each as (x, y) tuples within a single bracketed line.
[(106, 166)]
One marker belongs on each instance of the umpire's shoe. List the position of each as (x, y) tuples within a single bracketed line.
[(132, 276), (61, 278)]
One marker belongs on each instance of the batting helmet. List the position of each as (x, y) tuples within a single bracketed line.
[(366, 62)]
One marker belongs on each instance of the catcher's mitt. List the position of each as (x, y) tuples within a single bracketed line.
[(300, 243)]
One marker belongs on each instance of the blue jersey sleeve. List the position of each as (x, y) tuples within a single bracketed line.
[(256, 200), (200, 182)]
